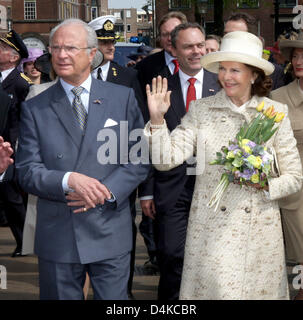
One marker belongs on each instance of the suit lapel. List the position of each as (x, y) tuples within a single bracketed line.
[(9, 79), (112, 73), (97, 115), (209, 84), (177, 102), (63, 109)]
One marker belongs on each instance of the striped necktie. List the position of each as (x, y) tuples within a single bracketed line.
[(78, 108)]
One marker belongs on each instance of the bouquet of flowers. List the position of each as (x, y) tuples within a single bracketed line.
[(246, 160)]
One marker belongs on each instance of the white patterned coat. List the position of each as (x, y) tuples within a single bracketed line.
[(237, 252)]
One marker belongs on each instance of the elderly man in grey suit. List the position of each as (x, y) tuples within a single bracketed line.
[(70, 144)]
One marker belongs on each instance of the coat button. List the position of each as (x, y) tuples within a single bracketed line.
[(247, 210), (223, 208), (59, 156)]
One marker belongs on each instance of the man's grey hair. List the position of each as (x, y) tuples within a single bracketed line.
[(184, 26), (92, 41)]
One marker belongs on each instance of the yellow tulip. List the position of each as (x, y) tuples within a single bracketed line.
[(260, 106), (279, 116), (268, 111), (272, 115)]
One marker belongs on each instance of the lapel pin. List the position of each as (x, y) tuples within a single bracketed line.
[(97, 101), (211, 90)]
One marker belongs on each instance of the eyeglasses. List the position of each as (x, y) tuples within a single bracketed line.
[(70, 50), (165, 35)]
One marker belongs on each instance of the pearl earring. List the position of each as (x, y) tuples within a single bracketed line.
[(252, 81)]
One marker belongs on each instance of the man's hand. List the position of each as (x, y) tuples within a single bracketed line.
[(88, 192), (148, 208), (5, 155)]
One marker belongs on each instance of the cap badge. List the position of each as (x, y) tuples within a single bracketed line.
[(108, 26)]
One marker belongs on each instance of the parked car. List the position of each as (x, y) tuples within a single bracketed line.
[(124, 49)]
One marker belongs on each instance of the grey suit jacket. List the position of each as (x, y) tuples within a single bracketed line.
[(51, 143)]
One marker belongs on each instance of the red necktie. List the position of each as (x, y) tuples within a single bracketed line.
[(191, 92), (176, 63)]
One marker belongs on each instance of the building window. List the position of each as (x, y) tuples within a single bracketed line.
[(179, 4), (117, 15), (246, 4), (287, 3), (30, 10), (94, 13), (128, 14), (128, 28)]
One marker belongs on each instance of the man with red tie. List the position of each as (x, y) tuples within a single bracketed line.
[(173, 189), (164, 64)]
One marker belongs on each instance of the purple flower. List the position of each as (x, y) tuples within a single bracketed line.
[(251, 144), (233, 147), (247, 173)]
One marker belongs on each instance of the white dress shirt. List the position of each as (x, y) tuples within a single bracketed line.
[(5, 73), (104, 73), (169, 62), (185, 84)]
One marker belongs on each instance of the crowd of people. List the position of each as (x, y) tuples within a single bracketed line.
[(77, 212)]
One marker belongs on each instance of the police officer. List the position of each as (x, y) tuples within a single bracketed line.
[(16, 85)]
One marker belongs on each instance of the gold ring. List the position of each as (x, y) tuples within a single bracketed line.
[(84, 209)]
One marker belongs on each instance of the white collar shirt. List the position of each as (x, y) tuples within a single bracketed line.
[(104, 73), (84, 95), (185, 84), (169, 62), (5, 73)]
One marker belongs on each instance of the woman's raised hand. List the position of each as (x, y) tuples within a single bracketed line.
[(158, 100)]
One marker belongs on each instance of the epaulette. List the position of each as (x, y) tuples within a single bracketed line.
[(26, 78)]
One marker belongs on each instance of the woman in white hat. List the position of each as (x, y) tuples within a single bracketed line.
[(238, 251), (292, 95)]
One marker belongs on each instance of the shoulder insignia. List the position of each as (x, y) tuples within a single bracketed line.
[(26, 78), (114, 72)]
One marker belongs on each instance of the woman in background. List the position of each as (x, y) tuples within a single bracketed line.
[(292, 95)]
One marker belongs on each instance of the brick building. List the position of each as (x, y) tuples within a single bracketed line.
[(263, 11), (136, 21), (5, 15), (33, 19)]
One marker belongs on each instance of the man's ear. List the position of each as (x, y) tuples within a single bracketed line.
[(92, 53), (14, 58), (174, 51)]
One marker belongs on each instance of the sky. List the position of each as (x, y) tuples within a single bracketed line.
[(126, 4)]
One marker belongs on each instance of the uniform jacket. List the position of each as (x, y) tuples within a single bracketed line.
[(127, 77), (238, 251), (51, 144)]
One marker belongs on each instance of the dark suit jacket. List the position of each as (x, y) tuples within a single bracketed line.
[(5, 104), (167, 185), (127, 77), (51, 143), (151, 67)]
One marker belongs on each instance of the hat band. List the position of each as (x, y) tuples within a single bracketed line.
[(9, 43)]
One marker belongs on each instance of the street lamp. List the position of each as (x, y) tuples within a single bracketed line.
[(202, 7)]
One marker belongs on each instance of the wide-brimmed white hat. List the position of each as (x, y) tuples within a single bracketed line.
[(238, 46), (286, 46)]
